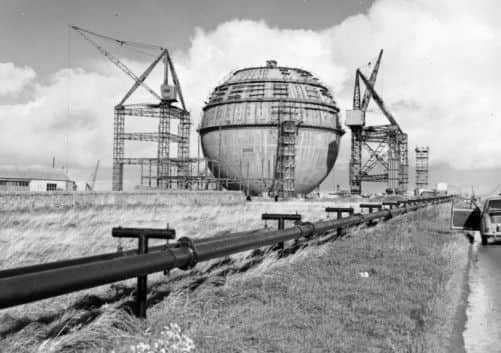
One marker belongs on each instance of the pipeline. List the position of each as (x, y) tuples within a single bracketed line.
[(109, 256), (28, 284)]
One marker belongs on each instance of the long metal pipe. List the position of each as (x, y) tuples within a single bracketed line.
[(32, 286), (63, 263), (109, 256), (45, 284), (223, 247)]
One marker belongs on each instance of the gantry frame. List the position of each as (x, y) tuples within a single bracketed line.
[(385, 145)]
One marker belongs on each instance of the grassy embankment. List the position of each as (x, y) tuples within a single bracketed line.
[(315, 300)]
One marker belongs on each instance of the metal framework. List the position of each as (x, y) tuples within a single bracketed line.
[(384, 147), (168, 174), (198, 175), (422, 154), (284, 182)]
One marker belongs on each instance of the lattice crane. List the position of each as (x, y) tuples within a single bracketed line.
[(168, 168), (168, 93), (385, 145), (92, 180)]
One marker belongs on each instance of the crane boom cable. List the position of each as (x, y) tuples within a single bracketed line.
[(115, 61), (68, 103), (120, 41), (149, 54)]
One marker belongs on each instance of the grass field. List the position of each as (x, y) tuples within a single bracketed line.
[(313, 300), (42, 228)]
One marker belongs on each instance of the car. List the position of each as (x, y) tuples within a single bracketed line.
[(486, 219)]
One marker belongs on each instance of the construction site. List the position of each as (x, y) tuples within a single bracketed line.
[(269, 130), (267, 176)]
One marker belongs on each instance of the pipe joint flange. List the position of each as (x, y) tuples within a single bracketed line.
[(300, 228), (362, 218), (185, 242)]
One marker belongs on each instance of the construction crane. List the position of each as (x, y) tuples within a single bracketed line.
[(89, 186), (168, 168), (385, 145), (168, 93)]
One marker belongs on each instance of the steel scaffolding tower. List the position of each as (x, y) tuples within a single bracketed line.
[(118, 149), (170, 171), (422, 154), (404, 162), (163, 168), (284, 184), (166, 169), (384, 146)]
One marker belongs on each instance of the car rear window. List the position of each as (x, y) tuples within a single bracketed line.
[(494, 204)]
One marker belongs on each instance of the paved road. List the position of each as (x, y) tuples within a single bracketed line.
[(483, 325)]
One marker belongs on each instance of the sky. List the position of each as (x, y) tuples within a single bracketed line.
[(439, 75)]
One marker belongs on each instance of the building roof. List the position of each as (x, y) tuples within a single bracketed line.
[(32, 174)]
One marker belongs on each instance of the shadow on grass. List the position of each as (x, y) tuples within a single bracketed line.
[(89, 307)]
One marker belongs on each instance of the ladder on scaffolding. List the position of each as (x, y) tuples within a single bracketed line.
[(285, 167)]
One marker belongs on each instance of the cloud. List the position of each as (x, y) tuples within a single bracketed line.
[(438, 74), (69, 117), (14, 79), (439, 77)]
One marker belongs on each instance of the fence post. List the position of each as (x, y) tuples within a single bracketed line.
[(143, 235), (142, 281), (281, 218), (339, 214), (370, 207)]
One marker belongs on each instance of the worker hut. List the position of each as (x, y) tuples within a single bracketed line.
[(14, 179)]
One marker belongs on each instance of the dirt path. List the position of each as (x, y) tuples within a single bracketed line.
[(483, 324)]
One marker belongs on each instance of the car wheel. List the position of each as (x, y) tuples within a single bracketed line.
[(484, 239)]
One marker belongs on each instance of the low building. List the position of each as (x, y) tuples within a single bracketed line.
[(442, 187), (34, 180)]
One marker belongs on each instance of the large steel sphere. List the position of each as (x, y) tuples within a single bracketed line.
[(241, 120)]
